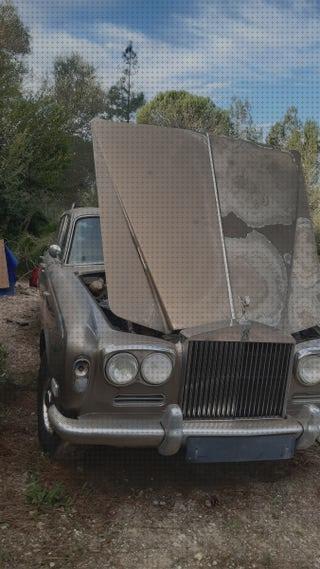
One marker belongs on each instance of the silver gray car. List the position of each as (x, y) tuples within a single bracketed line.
[(184, 311)]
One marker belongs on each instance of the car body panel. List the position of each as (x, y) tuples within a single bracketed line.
[(167, 234), (164, 251)]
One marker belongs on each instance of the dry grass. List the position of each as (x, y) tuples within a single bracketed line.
[(102, 508)]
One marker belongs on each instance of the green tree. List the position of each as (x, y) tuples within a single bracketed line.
[(33, 157), (78, 91), (181, 109), (14, 43), (14, 37), (122, 100), (291, 133), (34, 145), (242, 121), (281, 132)]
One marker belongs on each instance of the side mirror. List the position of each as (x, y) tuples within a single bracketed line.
[(54, 251)]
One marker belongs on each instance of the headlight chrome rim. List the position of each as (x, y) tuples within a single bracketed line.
[(302, 358), (112, 360), (146, 360)]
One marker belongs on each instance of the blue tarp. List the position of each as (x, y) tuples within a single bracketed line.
[(12, 263)]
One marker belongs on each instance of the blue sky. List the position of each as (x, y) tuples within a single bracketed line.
[(265, 50)]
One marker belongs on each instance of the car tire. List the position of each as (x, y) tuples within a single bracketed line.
[(49, 441)]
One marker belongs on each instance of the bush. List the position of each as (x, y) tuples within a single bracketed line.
[(28, 249), (34, 154)]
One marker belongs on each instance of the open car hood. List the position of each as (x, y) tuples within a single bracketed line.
[(200, 230)]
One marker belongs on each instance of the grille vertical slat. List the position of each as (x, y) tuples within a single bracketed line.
[(210, 402), (274, 371), (256, 373), (205, 400), (204, 372), (233, 379), (267, 372)]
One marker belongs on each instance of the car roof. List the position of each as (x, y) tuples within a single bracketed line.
[(81, 211)]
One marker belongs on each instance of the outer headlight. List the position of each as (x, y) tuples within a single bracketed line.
[(81, 368), (121, 369), (156, 368), (308, 369)]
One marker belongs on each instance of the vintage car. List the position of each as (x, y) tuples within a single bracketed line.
[(184, 311)]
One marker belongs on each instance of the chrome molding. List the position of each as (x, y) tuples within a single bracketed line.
[(309, 417), (224, 251), (104, 430), (172, 423), (171, 432)]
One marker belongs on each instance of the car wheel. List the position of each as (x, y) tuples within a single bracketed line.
[(48, 439)]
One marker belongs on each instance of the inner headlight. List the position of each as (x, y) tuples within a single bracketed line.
[(122, 368), (309, 369), (156, 368)]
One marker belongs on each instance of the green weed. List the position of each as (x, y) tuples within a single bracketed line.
[(42, 496)]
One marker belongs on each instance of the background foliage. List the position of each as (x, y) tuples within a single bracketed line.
[(46, 159), (181, 109)]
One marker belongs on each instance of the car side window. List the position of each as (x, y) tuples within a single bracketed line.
[(60, 229), (63, 231), (86, 245)]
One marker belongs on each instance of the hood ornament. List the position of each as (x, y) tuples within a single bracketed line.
[(245, 303), (244, 319)]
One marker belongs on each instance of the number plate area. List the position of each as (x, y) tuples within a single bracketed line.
[(240, 449)]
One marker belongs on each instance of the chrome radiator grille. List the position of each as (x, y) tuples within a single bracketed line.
[(233, 379)]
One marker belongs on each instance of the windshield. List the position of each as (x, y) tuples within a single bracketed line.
[(86, 246)]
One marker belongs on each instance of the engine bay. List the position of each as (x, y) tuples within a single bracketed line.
[(96, 285)]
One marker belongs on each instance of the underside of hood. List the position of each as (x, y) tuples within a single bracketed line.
[(200, 229)]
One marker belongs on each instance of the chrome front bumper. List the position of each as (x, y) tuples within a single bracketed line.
[(171, 433)]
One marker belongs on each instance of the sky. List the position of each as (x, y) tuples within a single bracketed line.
[(266, 51)]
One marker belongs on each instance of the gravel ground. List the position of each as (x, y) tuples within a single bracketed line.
[(103, 508)]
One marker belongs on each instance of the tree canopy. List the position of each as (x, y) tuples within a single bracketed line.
[(33, 140), (122, 100), (34, 154), (291, 133), (14, 42), (78, 91), (181, 109), (14, 36), (242, 121)]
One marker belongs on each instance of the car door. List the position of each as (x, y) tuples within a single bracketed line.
[(51, 317)]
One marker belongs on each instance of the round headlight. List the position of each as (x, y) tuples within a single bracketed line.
[(156, 368), (309, 369), (122, 368)]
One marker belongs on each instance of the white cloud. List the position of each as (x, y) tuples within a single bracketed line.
[(217, 49), (217, 85)]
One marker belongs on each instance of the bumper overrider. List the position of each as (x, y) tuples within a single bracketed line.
[(220, 440)]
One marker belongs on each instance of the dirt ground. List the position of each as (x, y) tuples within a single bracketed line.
[(103, 508)]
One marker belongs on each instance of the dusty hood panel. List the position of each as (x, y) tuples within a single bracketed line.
[(268, 234), (170, 255), (158, 183)]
